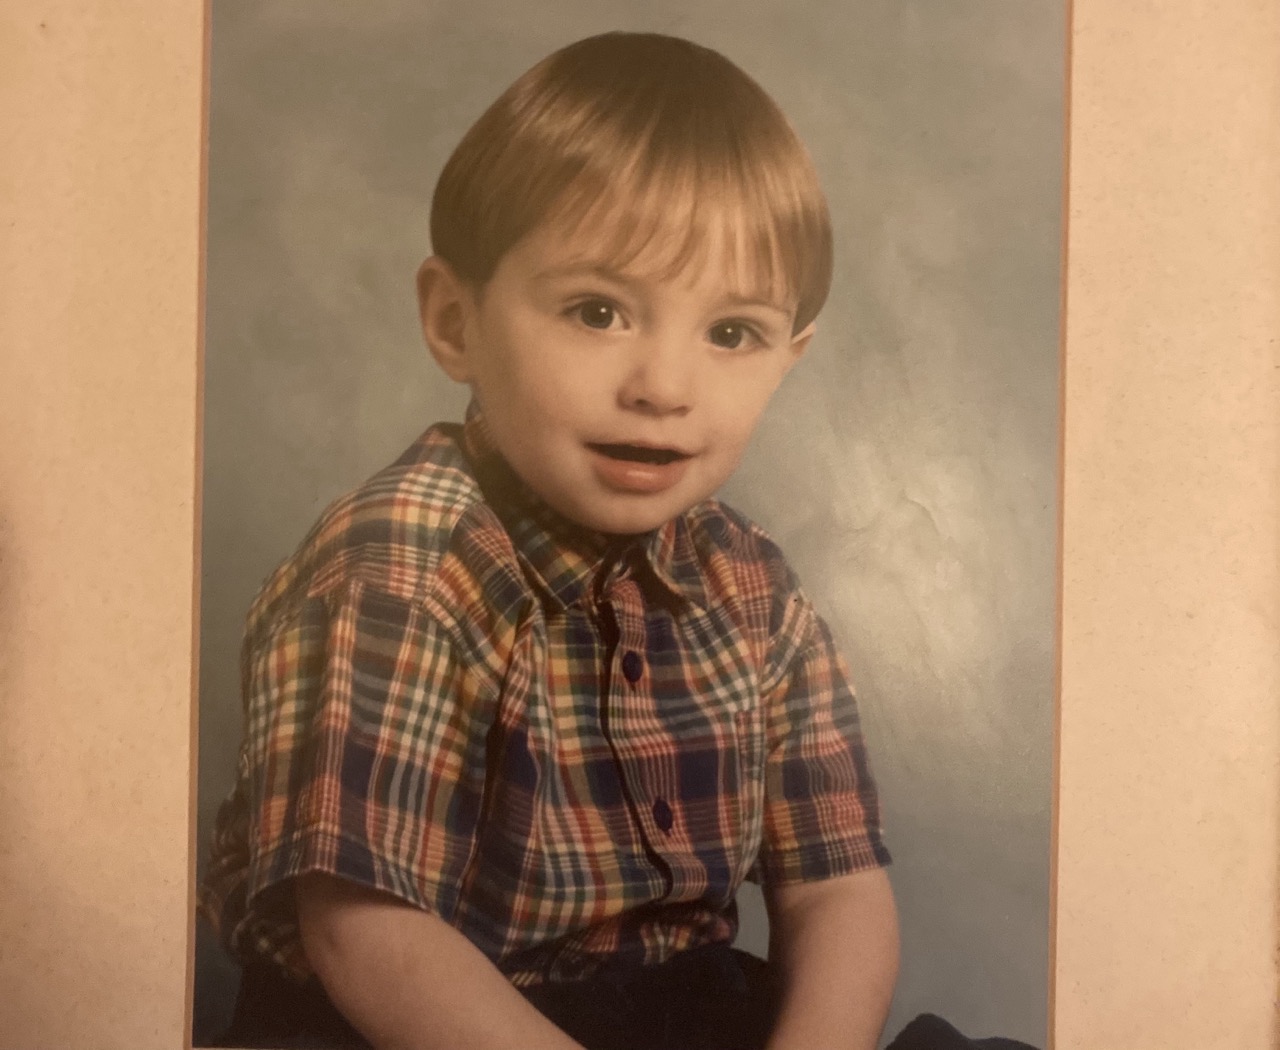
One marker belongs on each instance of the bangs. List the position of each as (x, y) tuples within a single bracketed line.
[(652, 151), (663, 217)]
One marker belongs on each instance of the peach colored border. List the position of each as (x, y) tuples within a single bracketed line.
[(1167, 823), (1168, 819)]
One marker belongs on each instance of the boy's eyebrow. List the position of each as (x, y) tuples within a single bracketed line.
[(748, 301), (607, 273), (584, 269)]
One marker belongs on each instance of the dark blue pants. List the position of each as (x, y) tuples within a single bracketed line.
[(712, 998), (709, 998)]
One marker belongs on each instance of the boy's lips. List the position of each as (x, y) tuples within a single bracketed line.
[(638, 453), (640, 469)]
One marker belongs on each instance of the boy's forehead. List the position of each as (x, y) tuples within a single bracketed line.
[(713, 256)]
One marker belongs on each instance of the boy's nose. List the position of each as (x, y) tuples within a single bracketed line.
[(660, 380)]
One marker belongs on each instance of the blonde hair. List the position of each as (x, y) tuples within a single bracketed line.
[(639, 136)]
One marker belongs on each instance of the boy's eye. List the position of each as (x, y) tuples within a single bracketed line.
[(730, 334), (596, 313)]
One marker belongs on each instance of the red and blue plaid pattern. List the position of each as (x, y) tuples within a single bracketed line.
[(573, 748)]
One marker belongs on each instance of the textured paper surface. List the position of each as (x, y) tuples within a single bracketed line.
[(1169, 730), (100, 161), (1167, 836)]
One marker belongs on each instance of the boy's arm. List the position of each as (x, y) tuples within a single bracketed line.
[(407, 980), (837, 943)]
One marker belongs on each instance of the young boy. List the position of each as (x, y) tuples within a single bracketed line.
[(524, 710)]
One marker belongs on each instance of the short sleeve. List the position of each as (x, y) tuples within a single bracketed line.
[(365, 756), (822, 815)]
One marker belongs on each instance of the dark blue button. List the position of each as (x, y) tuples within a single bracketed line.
[(662, 814), (632, 665)]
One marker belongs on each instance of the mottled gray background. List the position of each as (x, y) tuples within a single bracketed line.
[(908, 467)]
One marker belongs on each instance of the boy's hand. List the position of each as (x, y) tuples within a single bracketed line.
[(836, 943), (407, 980)]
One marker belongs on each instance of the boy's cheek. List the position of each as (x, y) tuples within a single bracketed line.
[(741, 404)]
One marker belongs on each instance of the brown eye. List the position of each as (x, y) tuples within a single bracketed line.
[(728, 334), (596, 313)]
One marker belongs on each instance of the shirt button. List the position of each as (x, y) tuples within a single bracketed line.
[(662, 815), (632, 666)]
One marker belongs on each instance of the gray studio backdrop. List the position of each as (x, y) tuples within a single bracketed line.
[(908, 467)]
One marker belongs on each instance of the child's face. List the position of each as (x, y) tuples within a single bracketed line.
[(619, 397)]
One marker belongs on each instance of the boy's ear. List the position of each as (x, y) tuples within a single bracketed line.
[(444, 305), (800, 341)]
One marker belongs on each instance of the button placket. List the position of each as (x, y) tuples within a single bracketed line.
[(627, 704)]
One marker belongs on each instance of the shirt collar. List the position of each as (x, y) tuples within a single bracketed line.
[(566, 559), (671, 554)]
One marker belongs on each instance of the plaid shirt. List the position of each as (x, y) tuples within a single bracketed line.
[(573, 748)]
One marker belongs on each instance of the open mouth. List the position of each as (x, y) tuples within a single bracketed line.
[(638, 453)]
